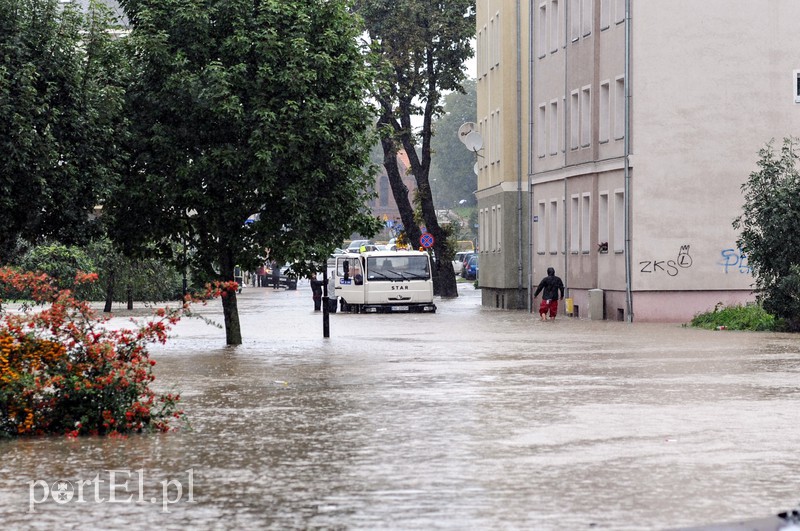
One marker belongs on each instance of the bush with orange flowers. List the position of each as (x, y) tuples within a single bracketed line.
[(63, 372)]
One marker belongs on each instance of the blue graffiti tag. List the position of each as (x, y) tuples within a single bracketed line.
[(734, 259)]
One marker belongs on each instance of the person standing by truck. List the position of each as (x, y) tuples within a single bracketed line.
[(316, 291), (276, 275), (551, 286)]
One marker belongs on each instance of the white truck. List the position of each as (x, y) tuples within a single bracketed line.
[(384, 281)]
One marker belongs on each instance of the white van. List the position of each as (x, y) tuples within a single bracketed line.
[(384, 281)]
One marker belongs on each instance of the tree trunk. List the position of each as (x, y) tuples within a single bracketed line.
[(444, 278), (230, 307), (109, 292), (130, 297), (399, 189)]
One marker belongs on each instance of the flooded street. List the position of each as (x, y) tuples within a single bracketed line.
[(469, 418)]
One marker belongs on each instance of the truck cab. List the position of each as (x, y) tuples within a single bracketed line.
[(384, 281)]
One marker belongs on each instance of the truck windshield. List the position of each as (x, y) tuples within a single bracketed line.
[(394, 268)]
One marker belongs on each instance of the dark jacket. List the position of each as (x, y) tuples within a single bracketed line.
[(551, 285)]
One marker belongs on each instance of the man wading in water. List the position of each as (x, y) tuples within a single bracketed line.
[(551, 285)]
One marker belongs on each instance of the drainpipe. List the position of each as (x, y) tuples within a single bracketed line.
[(627, 171), (567, 41), (532, 66), (519, 155)]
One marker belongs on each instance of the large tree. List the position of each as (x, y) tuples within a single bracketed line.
[(245, 110), (419, 49), (769, 234), (60, 119)]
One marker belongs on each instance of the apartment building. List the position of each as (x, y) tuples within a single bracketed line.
[(643, 120), (503, 182)]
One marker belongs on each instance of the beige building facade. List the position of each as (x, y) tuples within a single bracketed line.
[(642, 121), (503, 183)]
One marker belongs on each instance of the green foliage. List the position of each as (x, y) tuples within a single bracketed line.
[(751, 317), (140, 279), (60, 119), (242, 110), (453, 178), (147, 280), (769, 233), (59, 262), (245, 110)]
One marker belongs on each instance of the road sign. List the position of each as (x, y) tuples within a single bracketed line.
[(426, 240)]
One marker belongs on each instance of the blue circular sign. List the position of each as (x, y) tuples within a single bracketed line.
[(426, 240)]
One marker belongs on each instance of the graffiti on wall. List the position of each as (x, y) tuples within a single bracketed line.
[(734, 260), (670, 267)]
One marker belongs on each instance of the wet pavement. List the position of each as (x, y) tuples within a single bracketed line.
[(470, 418)]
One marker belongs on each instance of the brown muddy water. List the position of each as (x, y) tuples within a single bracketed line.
[(470, 418)]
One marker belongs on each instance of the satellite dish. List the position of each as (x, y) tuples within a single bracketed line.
[(475, 168), (465, 129), (473, 141)]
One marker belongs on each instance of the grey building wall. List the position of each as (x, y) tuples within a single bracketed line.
[(711, 83)]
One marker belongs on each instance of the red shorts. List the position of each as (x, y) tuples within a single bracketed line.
[(549, 305)]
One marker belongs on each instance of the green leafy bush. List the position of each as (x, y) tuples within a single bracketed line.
[(59, 262), (750, 317)]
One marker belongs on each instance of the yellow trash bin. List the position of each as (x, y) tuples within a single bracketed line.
[(568, 308)]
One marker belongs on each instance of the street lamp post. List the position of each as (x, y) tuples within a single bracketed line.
[(326, 325)]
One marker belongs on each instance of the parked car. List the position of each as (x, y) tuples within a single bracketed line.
[(287, 279), (355, 246), (471, 271), (464, 263), (458, 261)]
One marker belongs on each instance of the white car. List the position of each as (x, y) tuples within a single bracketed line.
[(458, 261)]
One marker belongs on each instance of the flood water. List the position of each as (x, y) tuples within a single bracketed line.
[(470, 418)]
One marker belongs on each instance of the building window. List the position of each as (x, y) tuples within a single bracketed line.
[(542, 40), (493, 229), (562, 117), (479, 54), (619, 108), (540, 229), (587, 16), (575, 225), (553, 226), (496, 136), (605, 14), (492, 51), (482, 230), (554, 127), (495, 36), (498, 225), (602, 222), (574, 120), (555, 26), (797, 86), (586, 218), (483, 129), (541, 141), (619, 11), (483, 61), (605, 111), (575, 19), (619, 221), (586, 116)]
